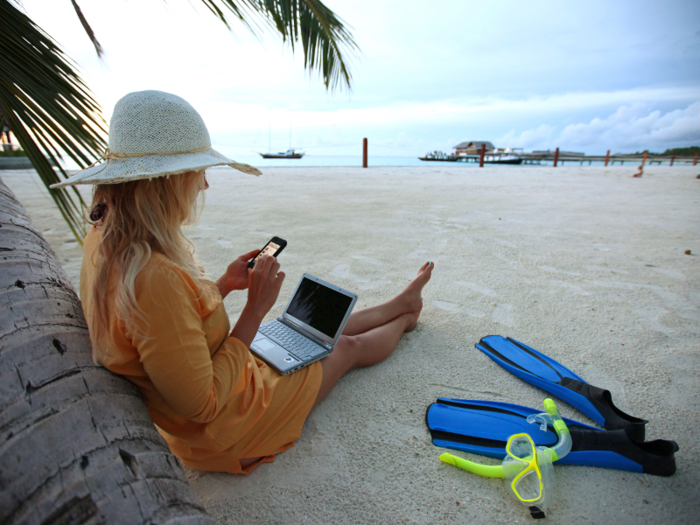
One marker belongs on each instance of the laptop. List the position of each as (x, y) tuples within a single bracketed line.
[(309, 328)]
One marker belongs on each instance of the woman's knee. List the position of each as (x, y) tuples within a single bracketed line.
[(350, 347)]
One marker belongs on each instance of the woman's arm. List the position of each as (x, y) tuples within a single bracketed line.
[(265, 281), (175, 354)]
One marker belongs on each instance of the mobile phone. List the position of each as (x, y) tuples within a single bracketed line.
[(273, 247)]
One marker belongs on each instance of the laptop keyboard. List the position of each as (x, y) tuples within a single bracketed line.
[(291, 340)]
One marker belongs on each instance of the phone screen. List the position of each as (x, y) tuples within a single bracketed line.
[(270, 250)]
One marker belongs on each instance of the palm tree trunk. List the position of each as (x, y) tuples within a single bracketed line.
[(77, 444)]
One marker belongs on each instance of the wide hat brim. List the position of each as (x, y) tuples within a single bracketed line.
[(126, 169)]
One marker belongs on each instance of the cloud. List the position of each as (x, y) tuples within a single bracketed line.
[(530, 139), (634, 127), (223, 115), (402, 130)]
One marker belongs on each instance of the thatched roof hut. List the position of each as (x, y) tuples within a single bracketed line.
[(473, 147)]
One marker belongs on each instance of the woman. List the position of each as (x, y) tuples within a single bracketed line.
[(155, 319)]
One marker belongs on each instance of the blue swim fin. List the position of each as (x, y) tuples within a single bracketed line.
[(483, 428), (537, 369)]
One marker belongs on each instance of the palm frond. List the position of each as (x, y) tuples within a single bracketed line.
[(87, 28), (48, 107), (325, 40)]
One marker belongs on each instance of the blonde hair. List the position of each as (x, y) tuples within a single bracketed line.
[(139, 218)]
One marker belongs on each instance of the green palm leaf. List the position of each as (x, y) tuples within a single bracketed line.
[(323, 36), (48, 107)]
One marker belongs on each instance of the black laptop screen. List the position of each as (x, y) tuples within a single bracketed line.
[(319, 307)]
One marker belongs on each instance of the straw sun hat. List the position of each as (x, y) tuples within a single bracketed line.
[(153, 134)]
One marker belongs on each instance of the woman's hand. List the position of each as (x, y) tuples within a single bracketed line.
[(236, 276), (265, 281)]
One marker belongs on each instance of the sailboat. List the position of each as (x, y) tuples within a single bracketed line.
[(289, 154)]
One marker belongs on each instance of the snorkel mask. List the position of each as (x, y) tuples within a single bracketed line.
[(527, 468)]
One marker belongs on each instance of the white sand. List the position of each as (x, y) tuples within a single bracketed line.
[(583, 263)]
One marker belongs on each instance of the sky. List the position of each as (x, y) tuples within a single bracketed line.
[(582, 76)]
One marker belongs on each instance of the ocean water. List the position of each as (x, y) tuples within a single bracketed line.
[(331, 160), (356, 160)]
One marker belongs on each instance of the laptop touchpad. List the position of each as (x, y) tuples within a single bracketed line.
[(273, 353), (261, 345)]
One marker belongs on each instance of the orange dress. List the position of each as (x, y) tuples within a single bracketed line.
[(213, 401)]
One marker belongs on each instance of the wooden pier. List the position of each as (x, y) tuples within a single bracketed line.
[(607, 160), (556, 157)]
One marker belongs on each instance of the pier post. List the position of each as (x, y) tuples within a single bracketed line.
[(673, 157), (364, 153), (695, 160), (556, 157), (481, 155), (607, 157)]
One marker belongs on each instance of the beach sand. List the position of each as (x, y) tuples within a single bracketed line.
[(584, 263)]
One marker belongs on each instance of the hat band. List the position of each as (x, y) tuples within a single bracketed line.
[(109, 155)]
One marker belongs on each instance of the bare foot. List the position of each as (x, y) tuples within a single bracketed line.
[(412, 294)]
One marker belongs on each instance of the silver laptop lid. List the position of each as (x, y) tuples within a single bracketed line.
[(320, 308)]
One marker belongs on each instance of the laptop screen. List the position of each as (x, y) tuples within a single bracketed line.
[(319, 307)]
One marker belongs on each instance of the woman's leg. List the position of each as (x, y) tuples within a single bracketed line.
[(408, 301), (365, 349), (374, 333)]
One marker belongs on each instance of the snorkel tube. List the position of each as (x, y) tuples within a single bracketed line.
[(552, 418), (528, 468)]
